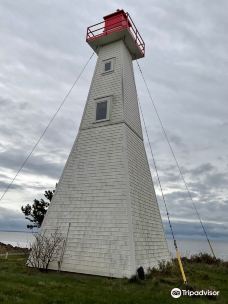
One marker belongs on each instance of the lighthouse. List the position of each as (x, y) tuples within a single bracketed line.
[(105, 204)]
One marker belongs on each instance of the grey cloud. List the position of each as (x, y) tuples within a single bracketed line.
[(11, 220), (37, 165), (4, 185), (193, 230), (217, 180), (204, 168)]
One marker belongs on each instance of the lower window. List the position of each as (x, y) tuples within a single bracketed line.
[(102, 109)]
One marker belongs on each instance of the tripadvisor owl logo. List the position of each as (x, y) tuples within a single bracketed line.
[(176, 293)]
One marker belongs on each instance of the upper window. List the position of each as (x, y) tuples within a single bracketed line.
[(102, 109), (108, 65)]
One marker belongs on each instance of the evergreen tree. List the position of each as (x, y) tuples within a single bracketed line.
[(35, 213)]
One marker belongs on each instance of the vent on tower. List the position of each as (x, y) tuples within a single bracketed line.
[(116, 26)]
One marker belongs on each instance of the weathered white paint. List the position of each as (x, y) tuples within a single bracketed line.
[(106, 191)]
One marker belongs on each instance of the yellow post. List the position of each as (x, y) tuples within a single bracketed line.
[(181, 267)]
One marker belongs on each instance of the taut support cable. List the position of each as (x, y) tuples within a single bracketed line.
[(176, 161), (163, 198), (46, 128)]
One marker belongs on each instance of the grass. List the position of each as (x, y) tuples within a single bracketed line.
[(19, 284)]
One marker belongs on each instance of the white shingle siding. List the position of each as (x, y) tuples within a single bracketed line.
[(150, 243), (106, 191), (131, 110)]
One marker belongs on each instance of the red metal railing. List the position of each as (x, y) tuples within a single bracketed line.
[(99, 30)]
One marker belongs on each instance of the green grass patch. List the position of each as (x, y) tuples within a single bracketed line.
[(19, 284)]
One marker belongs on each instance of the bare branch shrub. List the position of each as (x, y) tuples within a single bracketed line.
[(45, 250)]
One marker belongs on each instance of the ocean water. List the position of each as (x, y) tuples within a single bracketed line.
[(20, 239), (187, 247)]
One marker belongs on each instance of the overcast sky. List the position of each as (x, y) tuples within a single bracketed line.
[(42, 50)]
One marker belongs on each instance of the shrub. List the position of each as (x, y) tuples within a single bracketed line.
[(164, 267), (204, 258)]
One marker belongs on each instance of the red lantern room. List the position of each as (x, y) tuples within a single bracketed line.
[(116, 26)]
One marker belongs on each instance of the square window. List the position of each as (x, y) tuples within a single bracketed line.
[(107, 66), (102, 110)]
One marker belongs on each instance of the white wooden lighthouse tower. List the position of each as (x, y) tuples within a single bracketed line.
[(105, 204)]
